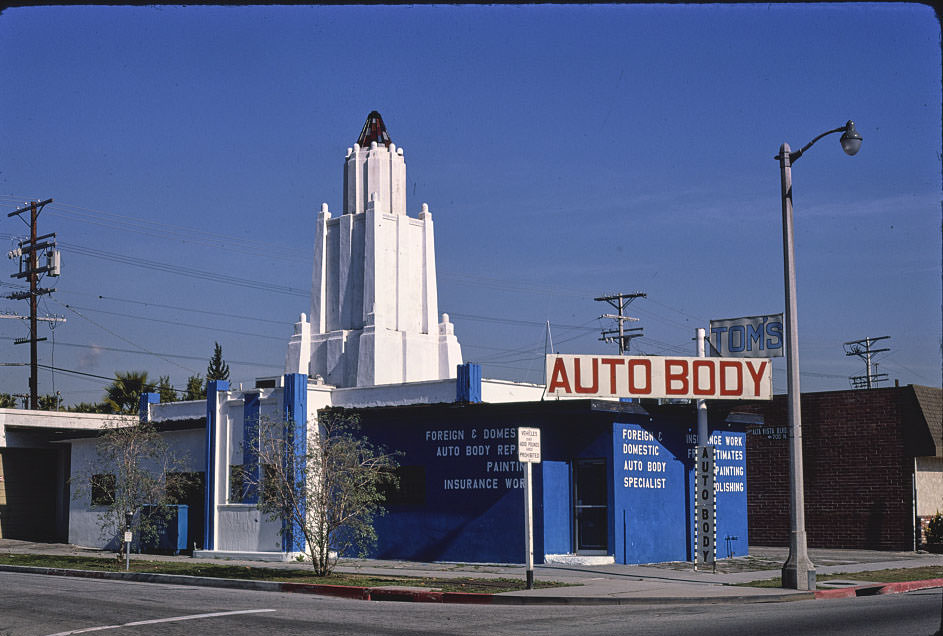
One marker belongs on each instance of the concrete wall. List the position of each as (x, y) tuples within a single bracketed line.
[(85, 519)]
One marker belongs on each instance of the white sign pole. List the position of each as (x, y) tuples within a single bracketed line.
[(528, 452), (529, 525)]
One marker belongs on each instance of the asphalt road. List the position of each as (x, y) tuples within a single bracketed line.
[(36, 605)]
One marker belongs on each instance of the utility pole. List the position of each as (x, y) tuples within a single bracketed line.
[(620, 302), (862, 349), (28, 253)]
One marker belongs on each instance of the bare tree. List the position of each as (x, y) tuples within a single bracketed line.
[(328, 487), (134, 468)]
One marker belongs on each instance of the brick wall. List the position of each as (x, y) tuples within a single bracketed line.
[(858, 489)]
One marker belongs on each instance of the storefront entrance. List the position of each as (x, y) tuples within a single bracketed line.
[(590, 506)]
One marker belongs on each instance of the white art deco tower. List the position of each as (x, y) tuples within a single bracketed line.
[(374, 307)]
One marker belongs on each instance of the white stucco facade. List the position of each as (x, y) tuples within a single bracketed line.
[(84, 518), (374, 302)]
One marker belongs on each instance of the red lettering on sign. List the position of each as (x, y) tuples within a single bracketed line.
[(612, 363), (646, 374), (738, 369), (558, 377), (757, 375), (594, 388), (680, 376), (697, 366)]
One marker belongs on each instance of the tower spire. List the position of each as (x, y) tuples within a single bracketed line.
[(374, 130)]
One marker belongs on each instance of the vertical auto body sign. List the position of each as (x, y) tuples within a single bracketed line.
[(750, 337), (705, 510), (602, 376)]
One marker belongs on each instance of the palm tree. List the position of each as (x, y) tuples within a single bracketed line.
[(124, 394)]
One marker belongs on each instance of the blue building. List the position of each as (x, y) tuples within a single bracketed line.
[(616, 481)]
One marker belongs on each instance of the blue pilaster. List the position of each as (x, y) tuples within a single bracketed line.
[(468, 382), (145, 400), (295, 411), (213, 387), (250, 448)]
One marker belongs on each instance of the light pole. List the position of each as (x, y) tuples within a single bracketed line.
[(798, 572)]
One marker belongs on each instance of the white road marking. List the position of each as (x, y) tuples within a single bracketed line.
[(162, 620)]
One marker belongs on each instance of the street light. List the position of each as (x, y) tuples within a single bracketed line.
[(798, 572)]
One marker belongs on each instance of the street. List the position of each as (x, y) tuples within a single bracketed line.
[(35, 605)]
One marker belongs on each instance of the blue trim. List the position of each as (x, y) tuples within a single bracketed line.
[(145, 400), (212, 388), (250, 448), (468, 383), (295, 411)]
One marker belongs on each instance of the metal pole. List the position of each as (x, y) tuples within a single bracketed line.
[(702, 432), (529, 525), (798, 572)]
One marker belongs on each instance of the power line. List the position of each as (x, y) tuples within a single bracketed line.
[(158, 355)]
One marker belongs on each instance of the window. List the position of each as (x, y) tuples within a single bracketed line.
[(103, 489), (237, 483)]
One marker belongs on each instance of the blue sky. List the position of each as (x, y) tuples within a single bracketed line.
[(565, 152)]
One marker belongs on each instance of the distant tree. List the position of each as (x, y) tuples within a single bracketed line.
[(167, 392), (331, 487), (196, 390), (217, 369), (48, 402), (133, 467), (90, 407), (124, 394), (7, 401)]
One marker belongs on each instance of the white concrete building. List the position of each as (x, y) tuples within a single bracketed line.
[(374, 305)]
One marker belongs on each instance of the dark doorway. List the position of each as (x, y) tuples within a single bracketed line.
[(191, 492), (591, 506)]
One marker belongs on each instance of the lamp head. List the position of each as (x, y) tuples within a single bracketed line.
[(850, 139)]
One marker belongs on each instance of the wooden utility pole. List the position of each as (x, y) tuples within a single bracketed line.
[(28, 253), (620, 302)]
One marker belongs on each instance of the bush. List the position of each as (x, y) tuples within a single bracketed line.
[(935, 528)]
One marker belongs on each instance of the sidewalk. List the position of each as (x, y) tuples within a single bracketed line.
[(598, 584)]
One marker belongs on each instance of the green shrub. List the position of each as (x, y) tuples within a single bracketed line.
[(935, 529)]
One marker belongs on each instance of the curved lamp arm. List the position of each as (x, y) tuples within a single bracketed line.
[(850, 141)]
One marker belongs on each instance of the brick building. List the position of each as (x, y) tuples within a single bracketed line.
[(873, 464)]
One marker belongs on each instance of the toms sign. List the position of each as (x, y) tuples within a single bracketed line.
[(659, 377), (750, 337)]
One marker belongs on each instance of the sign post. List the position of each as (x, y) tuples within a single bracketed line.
[(128, 537), (705, 532), (528, 453)]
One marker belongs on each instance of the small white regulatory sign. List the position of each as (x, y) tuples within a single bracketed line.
[(128, 536), (528, 445)]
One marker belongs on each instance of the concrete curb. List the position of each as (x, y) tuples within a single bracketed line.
[(884, 588), (395, 594)]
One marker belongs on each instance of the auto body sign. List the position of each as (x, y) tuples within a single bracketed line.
[(659, 377), (750, 337)]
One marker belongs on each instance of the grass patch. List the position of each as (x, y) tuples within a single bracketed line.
[(895, 575), (227, 571)]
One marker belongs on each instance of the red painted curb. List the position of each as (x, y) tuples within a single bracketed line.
[(910, 586), (888, 588), (409, 596), (388, 594), (842, 592), (341, 591)]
